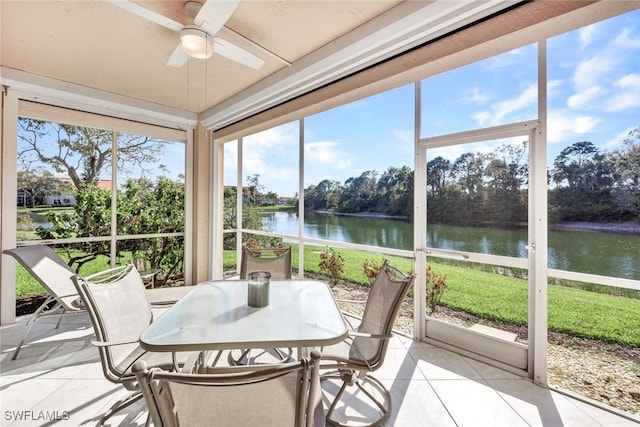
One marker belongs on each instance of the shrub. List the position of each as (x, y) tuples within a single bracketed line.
[(435, 288), (332, 264), (371, 268)]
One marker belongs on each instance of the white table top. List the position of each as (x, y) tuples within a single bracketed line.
[(215, 316)]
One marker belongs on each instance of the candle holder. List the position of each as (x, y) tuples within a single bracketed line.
[(258, 288)]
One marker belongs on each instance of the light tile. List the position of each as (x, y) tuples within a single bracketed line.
[(540, 406), (398, 364), (26, 394), (414, 403), (489, 372), (353, 408), (599, 414), (61, 371), (475, 404), (435, 363)]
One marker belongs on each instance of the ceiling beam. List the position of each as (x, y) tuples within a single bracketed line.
[(403, 27), (529, 23)]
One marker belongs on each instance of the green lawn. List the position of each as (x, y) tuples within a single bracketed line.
[(574, 311)]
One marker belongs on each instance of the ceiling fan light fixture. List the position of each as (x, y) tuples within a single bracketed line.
[(196, 43)]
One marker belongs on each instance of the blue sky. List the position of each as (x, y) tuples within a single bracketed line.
[(593, 95)]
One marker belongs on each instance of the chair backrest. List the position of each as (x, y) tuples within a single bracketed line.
[(276, 261), (50, 271), (119, 309), (271, 395), (380, 313)]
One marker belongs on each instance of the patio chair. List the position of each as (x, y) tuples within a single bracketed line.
[(55, 277), (53, 273), (363, 350), (272, 395), (276, 261), (119, 309)]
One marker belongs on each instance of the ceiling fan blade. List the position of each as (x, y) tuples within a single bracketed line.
[(147, 14), (178, 58), (214, 13), (235, 53)]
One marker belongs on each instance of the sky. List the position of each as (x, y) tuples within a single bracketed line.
[(593, 89)]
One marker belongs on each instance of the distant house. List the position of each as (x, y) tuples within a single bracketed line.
[(57, 199)]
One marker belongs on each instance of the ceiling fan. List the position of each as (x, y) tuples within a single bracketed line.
[(197, 40)]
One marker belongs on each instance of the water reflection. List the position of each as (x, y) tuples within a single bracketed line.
[(606, 254)]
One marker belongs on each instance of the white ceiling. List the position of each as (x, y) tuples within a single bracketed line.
[(92, 44)]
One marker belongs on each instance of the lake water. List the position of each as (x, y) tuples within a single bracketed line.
[(607, 254)]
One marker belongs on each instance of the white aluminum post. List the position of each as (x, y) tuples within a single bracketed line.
[(9, 190), (114, 198), (239, 195), (419, 223), (301, 199), (538, 224)]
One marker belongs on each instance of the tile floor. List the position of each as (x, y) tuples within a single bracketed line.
[(57, 379)]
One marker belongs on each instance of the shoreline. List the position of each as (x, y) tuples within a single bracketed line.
[(627, 227), (364, 214)]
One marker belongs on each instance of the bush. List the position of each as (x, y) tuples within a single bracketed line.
[(331, 264)]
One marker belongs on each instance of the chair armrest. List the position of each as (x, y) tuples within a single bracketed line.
[(366, 335), (351, 301), (112, 343)]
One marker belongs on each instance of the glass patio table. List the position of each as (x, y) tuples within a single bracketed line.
[(216, 316)]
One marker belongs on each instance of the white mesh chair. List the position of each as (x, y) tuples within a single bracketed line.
[(119, 309), (276, 261), (53, 273), (363, 350), (55, 277), (273, 395)]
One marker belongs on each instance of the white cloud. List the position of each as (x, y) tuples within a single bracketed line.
[(554, 84), (617, 140), (478, 97), (508, 107), (627, 94), (563, 125), (583, 99), (327, 153), (586, 35), (591, 72), (274, 137), (627, 40), (483, 118)]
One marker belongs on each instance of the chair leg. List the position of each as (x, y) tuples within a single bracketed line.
[(280, 356), (34, 318), (121, 404), (348, 378)]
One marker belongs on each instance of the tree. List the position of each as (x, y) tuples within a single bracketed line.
[(255, 188), (468, 170), (270, 198), (627, 172), (39, 183), (395, 191), (589, 177), (506, 176), (359, 193), (438, 173), (574, 164), (143, 207), (81, 153)]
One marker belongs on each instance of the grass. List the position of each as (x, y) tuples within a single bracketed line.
[(26, 285), (575, 311), (493, 296)]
